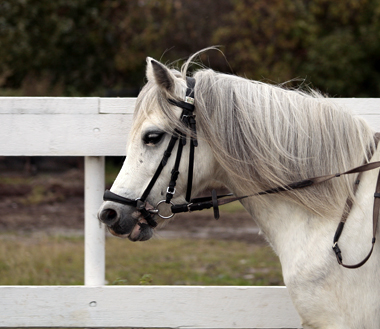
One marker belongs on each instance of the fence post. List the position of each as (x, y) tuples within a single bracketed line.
[(94, 246)]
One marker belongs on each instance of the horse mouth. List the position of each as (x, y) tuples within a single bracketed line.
[(141, 231)]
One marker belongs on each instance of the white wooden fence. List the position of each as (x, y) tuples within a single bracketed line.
[(94, 128)]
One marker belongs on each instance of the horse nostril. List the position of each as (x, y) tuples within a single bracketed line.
[(109, 216)]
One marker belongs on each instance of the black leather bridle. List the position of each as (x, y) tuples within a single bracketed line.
[(214, 201), (188, 118)]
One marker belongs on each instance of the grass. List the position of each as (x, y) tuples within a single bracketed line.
[(55, 260), (40, 260)]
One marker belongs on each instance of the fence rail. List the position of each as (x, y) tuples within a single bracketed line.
[(95, 128)]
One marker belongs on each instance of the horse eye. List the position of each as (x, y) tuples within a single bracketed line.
[(153, 138)]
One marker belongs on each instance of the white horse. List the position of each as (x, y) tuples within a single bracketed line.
[(252, 137)]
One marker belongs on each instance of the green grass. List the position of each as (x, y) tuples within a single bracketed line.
[(40, 261), (49, 260)]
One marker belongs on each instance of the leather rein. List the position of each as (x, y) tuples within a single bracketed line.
[(214, 201)]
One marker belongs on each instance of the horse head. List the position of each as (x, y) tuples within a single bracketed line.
[(160, 127)]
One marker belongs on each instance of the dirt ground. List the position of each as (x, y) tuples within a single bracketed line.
[(54, 203)]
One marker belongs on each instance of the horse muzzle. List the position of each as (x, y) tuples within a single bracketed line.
[(125, 222)]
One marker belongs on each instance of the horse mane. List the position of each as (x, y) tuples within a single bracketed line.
[(266, 136)]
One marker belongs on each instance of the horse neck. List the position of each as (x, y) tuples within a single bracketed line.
[(289, 226), (284, 223)]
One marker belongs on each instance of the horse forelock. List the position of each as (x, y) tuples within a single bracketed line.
[(152, 104), (265, 136)]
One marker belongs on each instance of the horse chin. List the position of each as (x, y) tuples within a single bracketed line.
[(140, 232)]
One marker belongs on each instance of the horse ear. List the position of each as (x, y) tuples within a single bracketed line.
[(155, 71)]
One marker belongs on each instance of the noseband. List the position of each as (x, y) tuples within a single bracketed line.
[(214, 201)]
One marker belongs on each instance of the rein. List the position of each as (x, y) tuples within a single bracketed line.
[(214, 201)]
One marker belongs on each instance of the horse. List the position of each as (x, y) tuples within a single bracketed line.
[(252, 137)]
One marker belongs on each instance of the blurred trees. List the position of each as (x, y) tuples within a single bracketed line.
[(343, 55), (84, 47), (265, 38), (335, 44)]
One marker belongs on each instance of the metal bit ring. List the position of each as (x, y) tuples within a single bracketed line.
[(158, 213)]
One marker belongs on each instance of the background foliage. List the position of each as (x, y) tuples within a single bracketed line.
[(94, 47)]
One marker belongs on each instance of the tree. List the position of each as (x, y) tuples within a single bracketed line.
[(264, 38), (334, 44), (65, 41), (343, 53), (88, 46)]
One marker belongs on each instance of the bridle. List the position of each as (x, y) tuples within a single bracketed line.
[(188, 119), (214, 201)]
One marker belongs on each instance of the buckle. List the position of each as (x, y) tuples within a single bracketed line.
[(170, 192), (189, 100), (189, 206), (140, 204)]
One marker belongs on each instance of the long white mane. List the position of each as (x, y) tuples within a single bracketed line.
[(266, 136)]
